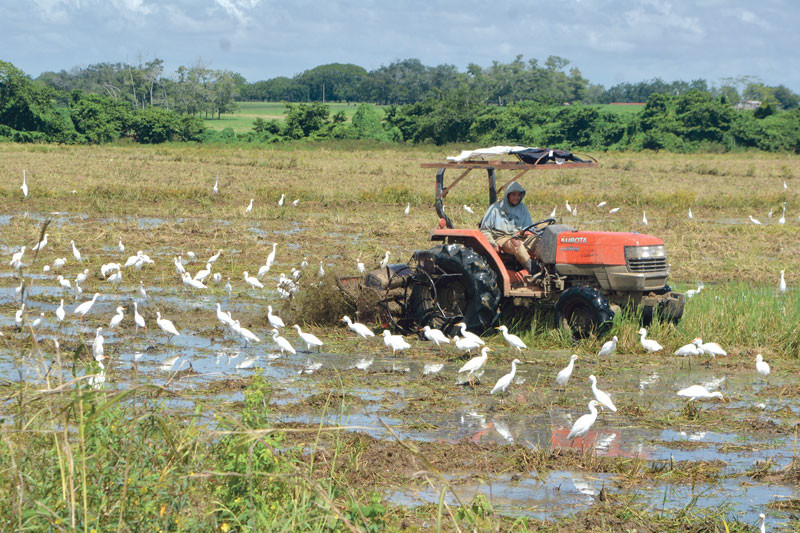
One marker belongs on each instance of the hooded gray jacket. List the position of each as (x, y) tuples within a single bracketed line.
[(502, 218)]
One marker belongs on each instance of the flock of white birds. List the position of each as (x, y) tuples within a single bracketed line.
[(287, 286)]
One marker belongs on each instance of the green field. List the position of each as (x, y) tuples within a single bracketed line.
[(242, 120)]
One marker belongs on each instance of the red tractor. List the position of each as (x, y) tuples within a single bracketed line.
[(585, 277)]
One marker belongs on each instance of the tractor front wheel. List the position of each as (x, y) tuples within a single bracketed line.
[(583, 311)]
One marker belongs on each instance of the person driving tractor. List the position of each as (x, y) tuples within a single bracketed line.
[(504, 220)]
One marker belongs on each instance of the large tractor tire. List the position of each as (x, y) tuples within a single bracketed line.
[(462, 288), (583, 311)]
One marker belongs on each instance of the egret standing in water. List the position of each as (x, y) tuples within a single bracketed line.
[(24, 185), (166, 326), (476, 362), (762, 367), (249, 207), (503, 383), (582, 425), (602, 398), (60, 311), (698, 392), (309, 338), (84, 308), (283, 344), (563, 377), (358, 328), (274, 320), (395, 342), (782, 284), (436, 336), (512, 340), (468, 334), (75, 252), (116, 319), (465, 345), (137, 318)]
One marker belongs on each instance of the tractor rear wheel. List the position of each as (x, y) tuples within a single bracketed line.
[(583, 311), (462, 287)]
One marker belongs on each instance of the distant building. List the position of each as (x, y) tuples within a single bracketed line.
[(748, 104)]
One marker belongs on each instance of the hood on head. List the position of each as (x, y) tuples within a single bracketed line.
[(515, 187)]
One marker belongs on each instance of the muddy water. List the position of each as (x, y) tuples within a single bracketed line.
[(423, 403)]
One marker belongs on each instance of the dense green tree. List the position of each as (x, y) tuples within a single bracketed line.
[(99, 118)]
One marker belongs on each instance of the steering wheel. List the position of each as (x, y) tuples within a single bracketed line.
[(537, 231)]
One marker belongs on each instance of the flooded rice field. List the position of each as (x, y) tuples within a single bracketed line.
[(513, 449)]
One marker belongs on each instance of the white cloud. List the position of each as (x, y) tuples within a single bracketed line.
[(748, 17)]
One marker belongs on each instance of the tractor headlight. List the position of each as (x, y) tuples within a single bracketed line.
[(645, 252)]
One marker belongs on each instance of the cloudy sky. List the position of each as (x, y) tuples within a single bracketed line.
[(610, 41)]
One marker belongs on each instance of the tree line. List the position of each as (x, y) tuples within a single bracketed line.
[(520, 103)]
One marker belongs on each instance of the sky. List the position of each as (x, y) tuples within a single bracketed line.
[(609, 41)]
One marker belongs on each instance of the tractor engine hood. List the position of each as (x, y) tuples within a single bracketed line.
[(561, 244)]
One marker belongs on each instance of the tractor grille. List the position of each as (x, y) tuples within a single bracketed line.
[(649, 264)]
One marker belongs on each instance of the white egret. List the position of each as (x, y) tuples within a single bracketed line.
[(696, 392), (782, 220), (132, 260), (248, 335), (644, 218), (59, 262), (203, 274), (215, 189), (253, 282), (321, 271), (18, 294), (228, 288), (193, 283), (295, 202), (609, 347), (60, 311), (614, 210), (709, 348), (563, 376), (503, 383), (512, 340), (407, 210), (468, 334), (96, 381), (650, 345), (80, 278), (583, 424), (64, 283), (115, 278), (575, 211), (16, 259), (304, 263), (602, 398), (691, 293), (468, 209), (18, 316), (309, 338), (553, 213), (601, 204), (121, 246), (216, 277), (78, 291), (688, 350), (249, 207), (762, 367), (395, 342), (364, 364), (38, 320), (41, 244), (280, 202), (271, 256), (24, 185), (360, 266), (465, 344), (283, 344), (358, 328), (569, 208), (98, 351), (782, 284), (179, 269), (190, 255), (432, 368), (263, 270), (691, 216), (214, 257), (754, 221), (142, 292), (763, 527), (137, 318), (166, 326), (116, 319), (385, 260), (75, 252), (476, 362), (435, 336), (84, 308), (274, 320)]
